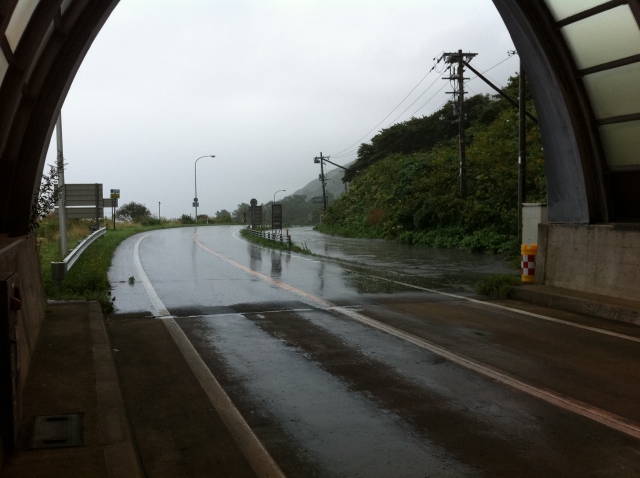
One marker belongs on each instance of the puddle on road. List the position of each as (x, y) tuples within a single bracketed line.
[(449, 268)]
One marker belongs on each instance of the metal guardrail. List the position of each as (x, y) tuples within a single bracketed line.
[(272, 236), (59, 269)]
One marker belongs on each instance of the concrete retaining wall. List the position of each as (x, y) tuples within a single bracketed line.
[(599, 259), (19, 255)]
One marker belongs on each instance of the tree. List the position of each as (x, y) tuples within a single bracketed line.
[(239, 214), (223, 217), (47, 198), (133, 211)]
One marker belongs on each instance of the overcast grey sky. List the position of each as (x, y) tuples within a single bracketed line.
[(263, 85)]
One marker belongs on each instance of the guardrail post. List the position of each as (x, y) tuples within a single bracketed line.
[(59, 269)]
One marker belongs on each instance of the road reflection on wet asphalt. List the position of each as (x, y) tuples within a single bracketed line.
[(332, 397)]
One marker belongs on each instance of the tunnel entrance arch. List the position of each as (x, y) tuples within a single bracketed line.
[(583, 61), (584, 94)]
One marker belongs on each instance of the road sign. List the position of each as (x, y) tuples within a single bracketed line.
[(195, 199), (115, 194), (196, 204), (82, 194), (276, 216), (82, 212), (83, 201), (256, 216), (317, 200), (109, 202)]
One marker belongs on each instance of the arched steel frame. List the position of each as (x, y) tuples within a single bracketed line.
[(42, 64)]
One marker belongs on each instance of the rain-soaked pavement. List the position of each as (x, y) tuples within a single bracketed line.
[(359, 369)]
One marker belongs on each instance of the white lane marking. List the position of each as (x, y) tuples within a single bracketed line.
[(160, 309), (601, 416), (242, 314), (259, 458), (523, 312), (576, 406), (257, 455), (486, 303)]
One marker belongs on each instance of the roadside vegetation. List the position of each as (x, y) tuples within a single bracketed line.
[(87, 279), (273, 244), (406, 188), (498, 286)]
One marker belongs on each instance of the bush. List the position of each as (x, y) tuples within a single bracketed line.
[(186, 219), (498, 286), (151, 221), (133, 211)]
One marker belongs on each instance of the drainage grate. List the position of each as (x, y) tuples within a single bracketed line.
[(57, 431)]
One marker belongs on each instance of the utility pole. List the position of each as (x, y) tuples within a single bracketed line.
[(325, 159), (521, 104), (62, 211), (522, 140), (158, 210), (321, 159), (457, 61)]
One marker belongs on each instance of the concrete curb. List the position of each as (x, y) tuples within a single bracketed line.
[(120, 456), (571, 301)]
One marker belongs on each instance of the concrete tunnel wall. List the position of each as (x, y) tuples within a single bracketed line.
[(41, 68)]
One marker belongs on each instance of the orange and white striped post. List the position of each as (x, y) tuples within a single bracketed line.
[(528, 263)]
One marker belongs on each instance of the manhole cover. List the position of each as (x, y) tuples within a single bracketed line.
[(57, 431)]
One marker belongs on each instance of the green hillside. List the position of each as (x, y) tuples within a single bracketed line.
[(411, 195)]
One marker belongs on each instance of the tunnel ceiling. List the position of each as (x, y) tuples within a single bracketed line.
[(588, 102), (604, 40)]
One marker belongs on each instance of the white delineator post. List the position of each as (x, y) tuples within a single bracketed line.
[(62, 212)]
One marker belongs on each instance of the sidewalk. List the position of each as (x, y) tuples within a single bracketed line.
[(604, 307), (143, 414), (73, 372)]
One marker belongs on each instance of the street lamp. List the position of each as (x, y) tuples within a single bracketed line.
[(278, 191), (195, 175)]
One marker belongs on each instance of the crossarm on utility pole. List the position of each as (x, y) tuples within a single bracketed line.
[(500, 92)]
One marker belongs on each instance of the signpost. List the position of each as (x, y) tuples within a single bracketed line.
[(317, 200), (256, 214), (276, 217), (112, 202), (64, 248)]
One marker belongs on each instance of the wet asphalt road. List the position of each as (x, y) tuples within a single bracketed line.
[(329, 395)]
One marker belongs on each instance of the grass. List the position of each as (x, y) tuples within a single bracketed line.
[(87, 279), (274, 245), (498, 286)]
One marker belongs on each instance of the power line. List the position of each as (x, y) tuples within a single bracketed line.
[(414, 101), (346, 155), (497, 64), (350, 152), (390, 112), (426, 102)]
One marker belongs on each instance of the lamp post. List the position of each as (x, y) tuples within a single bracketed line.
[(278, 191), (195, 176)]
